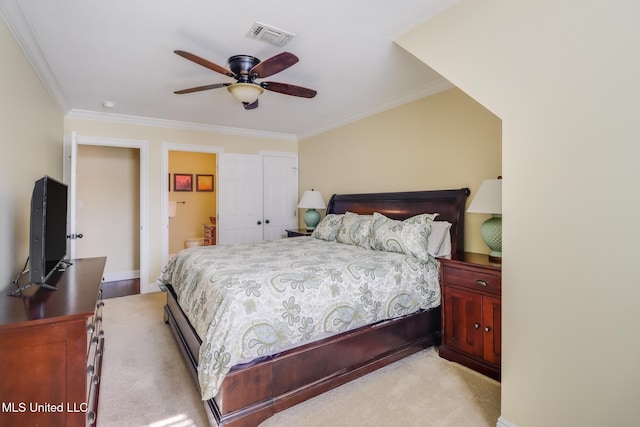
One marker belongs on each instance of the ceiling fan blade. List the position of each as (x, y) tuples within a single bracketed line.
[(288, 89), (205, 63), (273, 65), (200, 88), (251, 106)]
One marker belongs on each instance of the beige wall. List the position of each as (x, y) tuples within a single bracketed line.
[(563, 77), (442, 141), (155, 136), (108, 208), (198, 206), (31, 142)]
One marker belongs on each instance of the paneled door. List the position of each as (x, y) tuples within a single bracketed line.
[(239, 198), (257, 197), (280, 188)]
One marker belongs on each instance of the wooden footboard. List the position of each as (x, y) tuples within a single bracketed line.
[(253, 392)]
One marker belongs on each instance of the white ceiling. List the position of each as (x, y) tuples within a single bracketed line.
[(89, 51)]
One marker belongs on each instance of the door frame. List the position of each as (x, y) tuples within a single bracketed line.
[(143, 146), (166, 147)]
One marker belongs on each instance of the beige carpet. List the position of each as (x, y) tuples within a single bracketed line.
[(145, 382)]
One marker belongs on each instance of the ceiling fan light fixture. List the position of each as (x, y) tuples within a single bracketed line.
[(247, 93)]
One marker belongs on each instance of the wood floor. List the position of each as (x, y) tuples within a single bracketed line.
[(120, 288)]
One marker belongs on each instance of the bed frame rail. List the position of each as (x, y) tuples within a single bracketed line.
[(246, 398)]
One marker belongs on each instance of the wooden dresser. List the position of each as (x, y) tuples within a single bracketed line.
[(472, 312), (51, 346)]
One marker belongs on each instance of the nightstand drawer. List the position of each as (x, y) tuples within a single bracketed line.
[(470, 279)]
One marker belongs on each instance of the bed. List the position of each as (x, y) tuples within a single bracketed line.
[(255, 386)]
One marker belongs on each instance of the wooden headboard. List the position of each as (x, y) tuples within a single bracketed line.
[(449, 204)]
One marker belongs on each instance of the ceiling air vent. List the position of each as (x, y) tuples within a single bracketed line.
[(269, 34)]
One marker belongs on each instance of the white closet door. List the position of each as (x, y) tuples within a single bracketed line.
[(239, 199), (280, 195)]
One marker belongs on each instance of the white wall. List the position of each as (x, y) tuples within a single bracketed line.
[(563, 77)]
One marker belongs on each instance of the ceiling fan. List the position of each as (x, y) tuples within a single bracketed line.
[(246, 69)]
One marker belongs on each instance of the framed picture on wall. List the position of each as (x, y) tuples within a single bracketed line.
[(182, 182), (204, 182)]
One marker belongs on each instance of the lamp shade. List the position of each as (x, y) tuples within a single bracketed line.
[(312, 199), (488, 199), (247, 93)]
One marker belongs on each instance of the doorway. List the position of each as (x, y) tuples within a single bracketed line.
[(192, 199), (94, 167), (167, 183)]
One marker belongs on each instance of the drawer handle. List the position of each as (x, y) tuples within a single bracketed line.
[(481, 282), (487, 329), (476, 325)]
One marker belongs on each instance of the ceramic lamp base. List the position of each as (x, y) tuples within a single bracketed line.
[(311, 219), (491, 232)]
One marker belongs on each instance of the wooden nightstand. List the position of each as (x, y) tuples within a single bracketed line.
[(471, 312), (299, 232)]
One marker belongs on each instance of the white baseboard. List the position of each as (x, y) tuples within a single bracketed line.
[(149, 287), (134, 274), (121, 275), (504, 423)]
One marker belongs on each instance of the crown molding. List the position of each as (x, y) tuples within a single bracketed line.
[(174, 124), (22, 31)]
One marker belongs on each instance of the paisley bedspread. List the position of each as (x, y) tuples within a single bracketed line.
[(249, 301)]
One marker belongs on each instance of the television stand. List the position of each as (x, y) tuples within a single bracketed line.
[(23, 287), (53, 279)]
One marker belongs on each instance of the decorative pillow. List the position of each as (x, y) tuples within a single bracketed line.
[(439, 240), (409, 236), (355, 230), (328, 227)]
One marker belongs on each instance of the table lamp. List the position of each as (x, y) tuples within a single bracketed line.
[(488, 200), (312, 200)]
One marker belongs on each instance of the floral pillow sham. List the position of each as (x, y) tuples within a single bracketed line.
[(355, 230), (409, 237), (328, 227)]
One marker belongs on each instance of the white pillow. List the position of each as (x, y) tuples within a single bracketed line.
[(439, 240)]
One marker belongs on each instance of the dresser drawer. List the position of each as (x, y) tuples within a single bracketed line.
[(95, 349), (471, 279)]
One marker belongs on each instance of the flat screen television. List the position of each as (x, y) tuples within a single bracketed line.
[(48, 229)]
